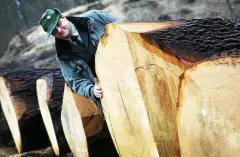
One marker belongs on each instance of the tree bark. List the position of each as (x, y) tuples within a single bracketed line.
[(50, 94), (212, 127), (19, 103), (141, 88)]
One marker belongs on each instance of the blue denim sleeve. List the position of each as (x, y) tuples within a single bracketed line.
[(105, 17), (79, 84)]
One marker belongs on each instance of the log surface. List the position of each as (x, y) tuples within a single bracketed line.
[(141, 88), (208, 117)]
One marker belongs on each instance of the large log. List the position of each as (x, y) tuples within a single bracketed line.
[(208, 117), (80, 119), (141, 88), (5, 134), (19, 103), (50, 94)]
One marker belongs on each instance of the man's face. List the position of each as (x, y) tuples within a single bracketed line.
[(63, 29)]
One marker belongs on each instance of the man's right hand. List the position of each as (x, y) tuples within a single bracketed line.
[(97, 89)]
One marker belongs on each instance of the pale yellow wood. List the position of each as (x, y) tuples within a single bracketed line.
[(140, 85), (47, 119), (72, 125), (141, 27), (208, 118), (10, 114)]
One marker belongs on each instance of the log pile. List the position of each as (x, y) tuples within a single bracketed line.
[(19, 103), (140, 78), (170, 89), (33, 102)]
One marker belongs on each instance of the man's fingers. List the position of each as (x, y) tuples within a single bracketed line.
[(98, 95), (98, 91)]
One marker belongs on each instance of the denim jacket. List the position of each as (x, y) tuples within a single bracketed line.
[(78, 72)]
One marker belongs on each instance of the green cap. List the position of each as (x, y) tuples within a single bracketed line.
[(49, 20)]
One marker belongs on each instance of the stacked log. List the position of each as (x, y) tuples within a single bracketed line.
[(80, 119), (50, 89), (169, 90), (141, 88), (5, 134), (19, 104), (208, 118), (19, 97)]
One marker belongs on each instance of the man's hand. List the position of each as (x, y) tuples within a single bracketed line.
[(97, 89)]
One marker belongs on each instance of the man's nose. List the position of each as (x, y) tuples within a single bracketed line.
[(58, 29)]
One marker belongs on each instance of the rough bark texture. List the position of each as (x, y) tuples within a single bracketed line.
[(196, 40)]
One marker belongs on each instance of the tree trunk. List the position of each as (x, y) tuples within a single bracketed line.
[(50, 94), (80, 119), (141, 88), (212, 128), (19, 103), (72, 125), (5, 134)]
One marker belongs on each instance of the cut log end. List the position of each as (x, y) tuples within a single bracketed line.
[(42, 94), (208, 121), (139, 92), (10, 114), (72, 125)]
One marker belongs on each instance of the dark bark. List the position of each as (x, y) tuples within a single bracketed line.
[(22, 88), (199, 39), (55, 85)]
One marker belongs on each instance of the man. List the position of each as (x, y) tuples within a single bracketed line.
[(76, 40)]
